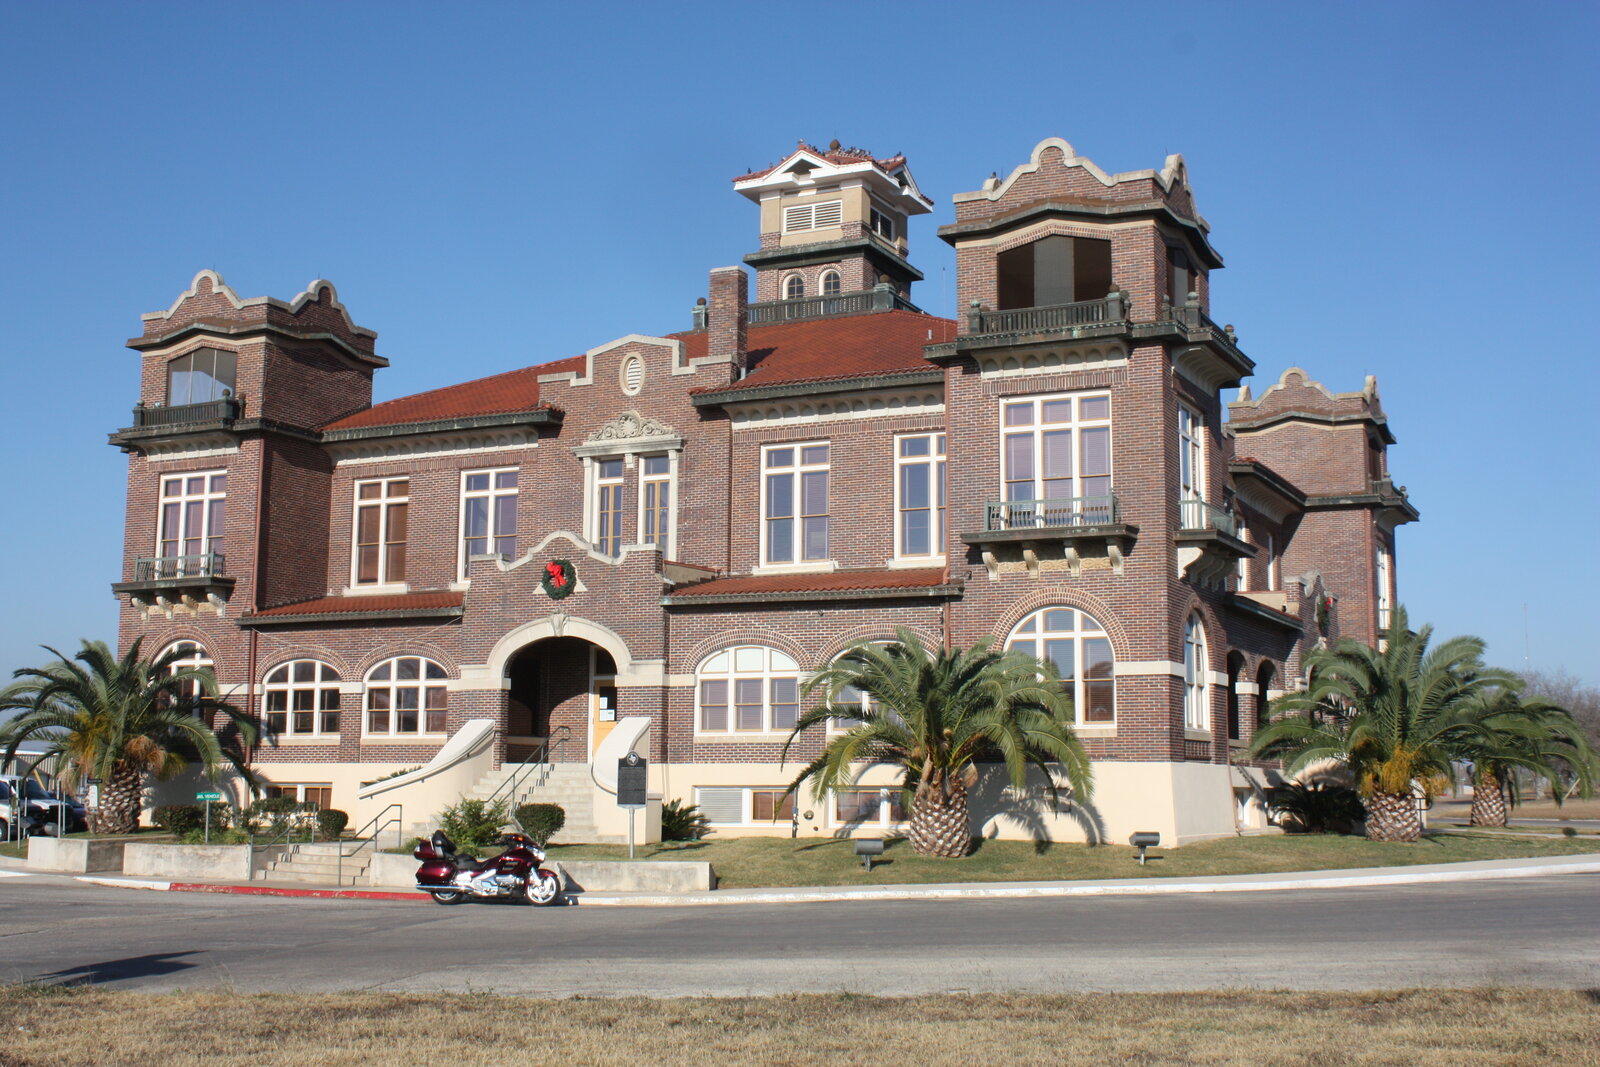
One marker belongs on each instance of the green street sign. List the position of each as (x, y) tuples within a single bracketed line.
[(208, 796)]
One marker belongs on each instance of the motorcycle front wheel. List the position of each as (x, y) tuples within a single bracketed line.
[(543, 889), (448, 896)]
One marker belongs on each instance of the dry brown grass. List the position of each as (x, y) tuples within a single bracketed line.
[(1421, 1028), (1533, 809)]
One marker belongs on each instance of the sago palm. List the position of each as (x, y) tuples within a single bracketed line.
[(934, 716), (1525, 735), (120, 719), (1395, 718)]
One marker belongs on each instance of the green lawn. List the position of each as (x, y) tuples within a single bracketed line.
[(752, 862)]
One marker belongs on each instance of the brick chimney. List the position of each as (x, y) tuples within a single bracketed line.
[(726, 340)]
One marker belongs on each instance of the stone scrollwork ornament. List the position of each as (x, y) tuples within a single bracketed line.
[(631, 424)]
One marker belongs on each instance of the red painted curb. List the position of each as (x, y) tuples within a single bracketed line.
[(275, 891)]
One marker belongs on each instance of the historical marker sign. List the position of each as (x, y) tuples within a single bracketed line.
[(632, 776)]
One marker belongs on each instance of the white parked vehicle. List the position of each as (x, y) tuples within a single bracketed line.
[(42, 812)]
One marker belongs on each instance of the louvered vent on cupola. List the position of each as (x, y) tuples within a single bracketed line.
[(801, 217)]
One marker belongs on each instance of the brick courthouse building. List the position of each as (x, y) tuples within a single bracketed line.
[(648, 545)]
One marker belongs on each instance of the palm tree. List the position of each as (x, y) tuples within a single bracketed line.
[(118, 720), (934, 716), (1529, 735), (1395, 717)]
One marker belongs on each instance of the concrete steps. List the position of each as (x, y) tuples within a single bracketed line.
[(319, 864), (566, 784)]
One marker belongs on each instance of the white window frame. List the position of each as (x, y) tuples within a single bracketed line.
[(669, 480), (597, 484), (196, 656), (824, 278), (1196, 676), (935, 461), (882, 822), (1085, 628), (320, 684), (746, 804), (422, 683), (207, 496), (1191, 454), (797, 469), (1076, 426), (1272, 564), (300, 790), (493, 493), (726, 665), (1382, 571), (382, 502), (788, 281), (879, 220), (1243, 582), (818, 215)]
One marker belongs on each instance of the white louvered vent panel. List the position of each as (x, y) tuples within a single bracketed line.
[(633, 375), (720, 805), (824, 216)]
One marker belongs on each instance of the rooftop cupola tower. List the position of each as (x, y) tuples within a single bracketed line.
[(833, 221)]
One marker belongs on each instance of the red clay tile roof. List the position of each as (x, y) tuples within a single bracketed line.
[(499, 394), (820, 582), (366, 605), (833, 348), (841, 157)]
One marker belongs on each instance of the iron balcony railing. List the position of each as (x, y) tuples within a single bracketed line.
[(1110, 308), (1061, 514), (172, 568), (224, 409), (881, 298), (1198, 515)]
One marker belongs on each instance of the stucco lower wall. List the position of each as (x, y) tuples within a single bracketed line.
[(228, 863), (78, 855)]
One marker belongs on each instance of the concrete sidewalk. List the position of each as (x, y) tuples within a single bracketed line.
[(1239, 883)]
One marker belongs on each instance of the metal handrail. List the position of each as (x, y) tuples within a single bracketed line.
[(223, 409), (530, 769), (170, 568), (1060, 513), (295, 820), (376, 824), (1199, 515)]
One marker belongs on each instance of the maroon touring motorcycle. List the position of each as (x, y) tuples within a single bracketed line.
[(515, 873)]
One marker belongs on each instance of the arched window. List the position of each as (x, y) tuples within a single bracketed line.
[(1078, 646), (191, 656), (747, 689), (794, 287), (301, 698), (406, 696), (1235, 676), (1196, 707), (830, 283), (1264, 678)]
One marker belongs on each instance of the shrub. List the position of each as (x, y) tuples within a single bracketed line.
[(683, 822), (181, 819), (270, 814), (1317, 807), (473, 825), (331, 822), (540, 821)]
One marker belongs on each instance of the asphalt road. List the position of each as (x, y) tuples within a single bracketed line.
[(1541, 931)]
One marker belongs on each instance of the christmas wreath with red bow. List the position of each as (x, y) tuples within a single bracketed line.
[(560, 577)]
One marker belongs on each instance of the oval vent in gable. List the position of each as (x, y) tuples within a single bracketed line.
[(632, 375)]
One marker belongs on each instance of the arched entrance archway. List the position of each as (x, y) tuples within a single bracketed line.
[(561, 692)]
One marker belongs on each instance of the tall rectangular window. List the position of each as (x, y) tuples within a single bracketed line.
[(488, 514), (200, 376), (655, 502), (608, 506), (1056, 459), (920, 493), (1191, 471), (1381, 572), (1272, 563), (191, 517), (381, 528), (794, 503), (1184, 279)]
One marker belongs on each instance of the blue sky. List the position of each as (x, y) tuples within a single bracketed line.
[(1398, 189)]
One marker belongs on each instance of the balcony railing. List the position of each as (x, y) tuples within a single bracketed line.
[(1062, 514), (1110, 308), (880, 298), (1198, 515), (177, 568), (224, 409)]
